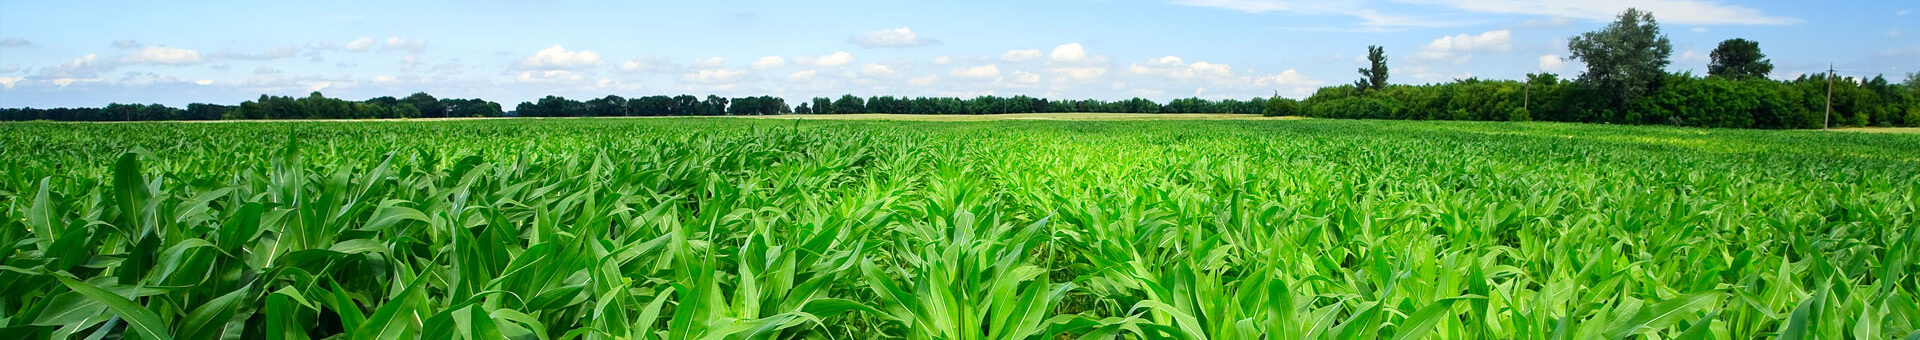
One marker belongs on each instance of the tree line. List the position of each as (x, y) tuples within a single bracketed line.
[(850, 104), (1625, 82), (313, 106), (681, 105)]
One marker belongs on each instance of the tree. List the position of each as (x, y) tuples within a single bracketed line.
[(1739, 58), (850, 104), (1374, 77), (1626, 59)]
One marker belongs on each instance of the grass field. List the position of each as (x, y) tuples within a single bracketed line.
[(1013, 229)]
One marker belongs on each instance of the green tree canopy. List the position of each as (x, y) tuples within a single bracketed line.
[(1739, 58), (1625, 60)]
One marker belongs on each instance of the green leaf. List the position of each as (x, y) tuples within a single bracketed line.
[(139, 319)]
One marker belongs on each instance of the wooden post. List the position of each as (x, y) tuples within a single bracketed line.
[(1829, 122)]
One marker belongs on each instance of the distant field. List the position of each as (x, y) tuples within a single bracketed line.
[(1027, 227)]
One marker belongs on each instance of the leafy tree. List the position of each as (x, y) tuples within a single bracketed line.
[(850, 104), (1374, 77), (1739, 58), (1625, 60)]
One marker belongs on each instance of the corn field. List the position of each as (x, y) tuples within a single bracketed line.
[(747, 229)]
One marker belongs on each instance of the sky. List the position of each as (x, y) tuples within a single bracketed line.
[(90, 53)]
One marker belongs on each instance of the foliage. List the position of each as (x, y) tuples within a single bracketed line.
[(740, 229), (1374, 77), (1739, 58), (313, 106), (1625, 60)]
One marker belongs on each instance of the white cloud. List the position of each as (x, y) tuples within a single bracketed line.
[(1556, 21), (649, 64), (898, 37), (1701, 30), (1460, 47), (1686, 12), (360, 45), (15, 42), (271, 54), (1023, 77), (714, 62), (1015, 56), (712, 77), (402, 44), (923, 81), (942, 60), (1694, 56), (769, 62), (557, 57), (127, 44), (1174, 67), (1552, 63), (318, 85), (836, 59), (878, 70), (803, 75), (1293, 83), (162, 55), (1068, 53), (1077, 73), (9, 81), (549, 76), (385, 79), (980, 72)]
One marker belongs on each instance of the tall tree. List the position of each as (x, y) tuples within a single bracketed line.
[(1739, 58), (1626, 59), (1374, 77)]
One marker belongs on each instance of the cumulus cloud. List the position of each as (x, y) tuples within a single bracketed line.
[(836, 59), (1552, 63), (649, 64), (270, 54), (878, 71), (557, 57), (1077, 73), (162, 55), (403, 44), (15, 42), (1015, 56), (1068, 53), (803, 75), (1461, 47), (1556, 21), (549, 76), (923, 81), (979, 72), (1687, 12), (360, 45), (1174, 67), (769, 62), (714, 62), (1291, 82), (942, 60), (8, 82), (1023, 77), (713, 77), (898, 37)]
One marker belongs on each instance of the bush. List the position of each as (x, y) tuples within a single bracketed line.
[(1520, 114)]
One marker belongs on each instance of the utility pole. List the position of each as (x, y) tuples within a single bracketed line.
[(1829, 123)]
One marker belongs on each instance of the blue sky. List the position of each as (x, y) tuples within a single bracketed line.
[(89, 53)]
